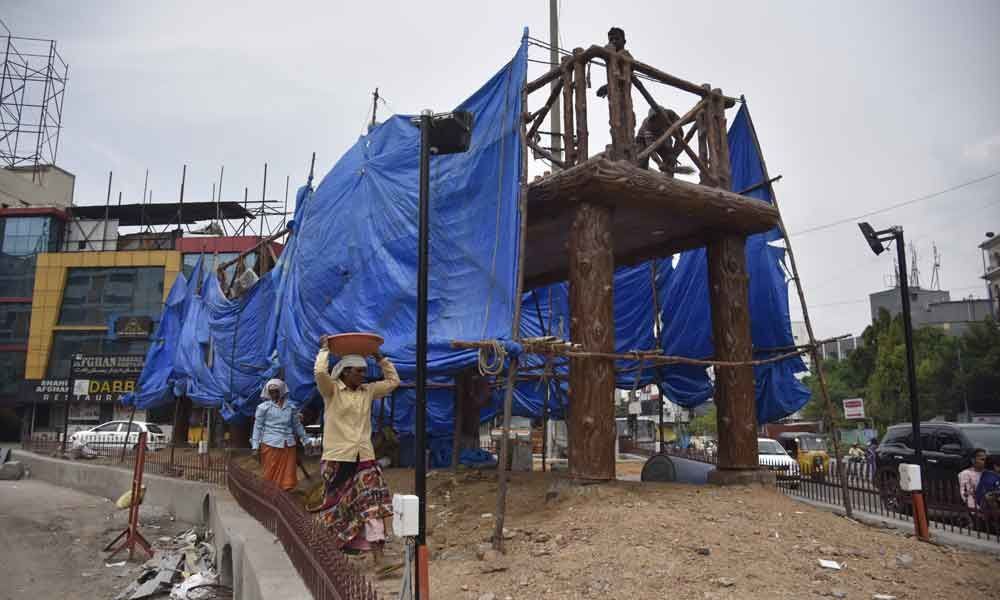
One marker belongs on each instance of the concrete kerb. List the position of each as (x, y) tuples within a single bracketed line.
[(938, 536), (257, 568)]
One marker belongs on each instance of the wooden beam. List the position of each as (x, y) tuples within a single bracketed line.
[(580, 81), (569, 148), (619, 183), (615, 120), (676, 82), (592, 429), (718, 141), (585, 57), (539, 117), (545, 153)]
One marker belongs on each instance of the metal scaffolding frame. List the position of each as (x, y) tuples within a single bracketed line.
[(32, 88)]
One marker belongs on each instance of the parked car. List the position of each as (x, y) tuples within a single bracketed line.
[(114, 433), (770, 454), (947, 448)]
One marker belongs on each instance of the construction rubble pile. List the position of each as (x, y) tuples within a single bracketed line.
[(184, 566)]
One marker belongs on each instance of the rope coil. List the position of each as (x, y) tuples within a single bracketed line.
[(492, 356)]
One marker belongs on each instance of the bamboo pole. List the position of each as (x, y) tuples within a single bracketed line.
[(841, 471), (508, 399)]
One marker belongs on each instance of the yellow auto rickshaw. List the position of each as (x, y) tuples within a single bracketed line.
[(808, 450)]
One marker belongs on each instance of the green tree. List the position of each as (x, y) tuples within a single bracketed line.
[(706, 424), (978, 375)]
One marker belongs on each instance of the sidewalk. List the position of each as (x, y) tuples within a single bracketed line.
[(938, 536)]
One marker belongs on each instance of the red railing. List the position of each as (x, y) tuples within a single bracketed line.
[(310, 545)]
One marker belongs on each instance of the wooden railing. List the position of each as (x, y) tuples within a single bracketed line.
[(664, 140)]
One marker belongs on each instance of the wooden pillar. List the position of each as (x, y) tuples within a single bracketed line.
[(591, 270), (734, 386), (729, 294)]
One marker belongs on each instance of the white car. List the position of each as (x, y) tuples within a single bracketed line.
[(114, 433), (771, 455)]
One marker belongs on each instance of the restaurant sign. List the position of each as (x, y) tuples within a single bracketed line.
[(133, 327), (45, 391), (107, 366)]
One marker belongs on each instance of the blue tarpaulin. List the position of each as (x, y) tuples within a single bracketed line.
[(350, 265)]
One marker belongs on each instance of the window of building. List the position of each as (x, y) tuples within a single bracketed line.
[(11, 372), (21, 238), (14, 322), (213, 260), (67, 343), (93, 295)]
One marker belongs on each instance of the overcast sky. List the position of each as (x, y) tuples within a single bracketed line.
[(859, 105)]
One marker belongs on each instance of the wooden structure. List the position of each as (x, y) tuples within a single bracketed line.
[(602, 211)]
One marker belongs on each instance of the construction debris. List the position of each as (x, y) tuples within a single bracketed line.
[(186, 570)]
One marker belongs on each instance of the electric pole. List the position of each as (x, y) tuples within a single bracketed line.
[(556, 119)]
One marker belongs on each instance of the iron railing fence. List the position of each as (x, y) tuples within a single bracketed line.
[(310, 545), (876, 491), (182, 462)]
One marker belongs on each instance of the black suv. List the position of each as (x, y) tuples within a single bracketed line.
[(947, 449)]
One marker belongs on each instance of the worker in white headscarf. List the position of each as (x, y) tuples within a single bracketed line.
[(276, 425), (356, 499)]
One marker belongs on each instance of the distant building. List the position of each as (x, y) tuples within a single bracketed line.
[(933, 308), (41, 186), (991, 270), (832, 350)]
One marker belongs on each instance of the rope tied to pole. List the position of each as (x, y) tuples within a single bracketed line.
[(492, 356)]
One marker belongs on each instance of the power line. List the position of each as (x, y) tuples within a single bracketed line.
[(895, 206)]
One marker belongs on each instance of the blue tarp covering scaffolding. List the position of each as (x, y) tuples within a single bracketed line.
[(350, 265)]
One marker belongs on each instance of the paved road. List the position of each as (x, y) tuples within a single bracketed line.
[(51, 541)]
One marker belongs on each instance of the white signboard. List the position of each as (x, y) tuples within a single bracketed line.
[(854, 408), (81, 387), (635, 408)]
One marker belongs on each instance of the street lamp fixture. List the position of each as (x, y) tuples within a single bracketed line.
[(445, 133), (876, 240)]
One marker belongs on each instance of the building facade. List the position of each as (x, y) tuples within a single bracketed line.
[(933, 308), (991, 271)]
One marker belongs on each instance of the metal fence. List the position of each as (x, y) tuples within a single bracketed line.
[(182, 463), (309, 544), (876, 491)]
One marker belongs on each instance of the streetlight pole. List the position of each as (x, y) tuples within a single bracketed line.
[(876, 240), (911, 371), (420, 425), (449, 133)]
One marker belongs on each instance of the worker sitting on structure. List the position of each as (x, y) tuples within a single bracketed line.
[(666, 154)]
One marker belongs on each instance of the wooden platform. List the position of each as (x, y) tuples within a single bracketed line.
[(654, 215)]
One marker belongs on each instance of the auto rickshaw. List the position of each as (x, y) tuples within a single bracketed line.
[(808, 450)]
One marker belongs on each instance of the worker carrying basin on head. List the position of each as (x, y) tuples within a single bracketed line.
[(356, 498)]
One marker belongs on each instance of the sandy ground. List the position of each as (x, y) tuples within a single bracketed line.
[(52, 540), (632, 540)]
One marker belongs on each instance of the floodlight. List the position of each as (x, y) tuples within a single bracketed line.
[(872, 238)]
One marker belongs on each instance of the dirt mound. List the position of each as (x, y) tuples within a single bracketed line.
[(634, 540)]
